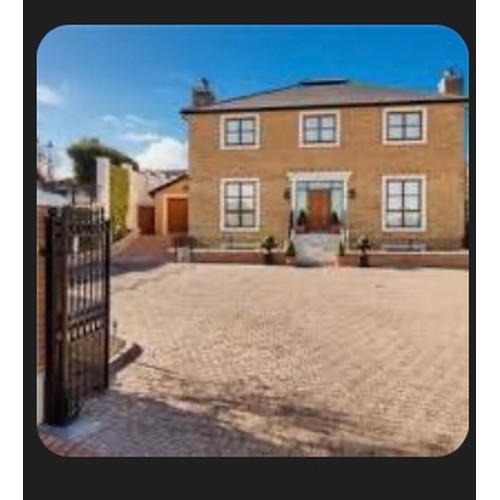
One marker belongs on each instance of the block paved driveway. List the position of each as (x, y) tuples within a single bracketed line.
[(250, 360)]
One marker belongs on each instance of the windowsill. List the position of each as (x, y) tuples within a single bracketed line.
[(403, 142), (319, 145), (240, 147), (239, 229), (404, 229)]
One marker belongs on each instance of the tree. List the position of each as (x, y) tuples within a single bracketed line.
[(84, 154)]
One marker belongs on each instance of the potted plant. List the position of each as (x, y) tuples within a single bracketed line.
[(301, 222), (335, 223), (268, 246), (290, 253), (363, 244), (340, 254)]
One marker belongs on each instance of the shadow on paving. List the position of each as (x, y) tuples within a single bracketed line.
[(137, 265), (124, 424), (128, 424)]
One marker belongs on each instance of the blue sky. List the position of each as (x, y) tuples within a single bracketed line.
[(126, 84)]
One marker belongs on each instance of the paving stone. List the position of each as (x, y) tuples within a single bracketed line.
[(276, 360)]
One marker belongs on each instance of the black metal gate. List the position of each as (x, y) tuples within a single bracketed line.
[(78, 258)]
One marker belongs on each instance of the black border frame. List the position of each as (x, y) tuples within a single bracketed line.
[(56, 477)]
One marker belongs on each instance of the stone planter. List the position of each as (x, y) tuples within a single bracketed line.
[(363, 260)]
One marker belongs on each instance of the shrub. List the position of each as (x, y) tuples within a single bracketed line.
[(341, 249), (269, 244), (334, 218), (84, 153), (302, 218), (290, 250), (118, 202), (363, 243)]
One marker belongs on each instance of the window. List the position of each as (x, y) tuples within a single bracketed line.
[(319, 129), (404, 126), (239, 131), (239, 204), (404, 204)]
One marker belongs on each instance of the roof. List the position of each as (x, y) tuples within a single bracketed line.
[(168, 183), (155, 178), (319, 93)]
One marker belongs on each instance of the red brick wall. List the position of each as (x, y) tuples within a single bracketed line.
[(229, 256), (456, 260)]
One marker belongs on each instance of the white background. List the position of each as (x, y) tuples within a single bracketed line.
[(488, 246), (11, 249)]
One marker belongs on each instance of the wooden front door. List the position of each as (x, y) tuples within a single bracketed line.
[(318, 208), (146, 219), (177, 215)]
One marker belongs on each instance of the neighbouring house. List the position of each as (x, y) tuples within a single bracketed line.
[(171, 206), (45, 197), (140, 213), (155, 178), (387, 163)]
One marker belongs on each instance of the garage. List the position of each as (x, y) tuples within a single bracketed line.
[(171, 200)]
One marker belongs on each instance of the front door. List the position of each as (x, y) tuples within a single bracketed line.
[(177, 215), (318, 204)]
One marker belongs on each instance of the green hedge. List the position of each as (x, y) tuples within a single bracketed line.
[(119, 186)]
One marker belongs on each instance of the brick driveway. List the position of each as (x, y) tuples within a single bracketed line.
[(250, 360)]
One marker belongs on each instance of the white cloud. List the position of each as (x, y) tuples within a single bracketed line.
[(132, 128), (132, 121), (132, 136), (166, 153), (48, 95), (111, 119), (127, 122), (63, 164)]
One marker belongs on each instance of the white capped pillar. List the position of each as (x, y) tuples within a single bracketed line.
[(102, 183)]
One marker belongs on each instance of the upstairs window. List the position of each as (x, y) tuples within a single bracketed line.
[(240, 132), (319, 129), (404, 126)]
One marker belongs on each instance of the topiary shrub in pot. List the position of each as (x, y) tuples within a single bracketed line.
[(301, 222), (335, 223), (268, 246), (339, 258), (290, 253), (363, 244)]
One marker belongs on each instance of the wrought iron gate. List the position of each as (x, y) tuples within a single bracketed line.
[(77, 347)]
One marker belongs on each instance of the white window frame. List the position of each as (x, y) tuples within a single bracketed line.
[(320, 112), (404, 109), (222, 211), (238, 116), (404, 177)]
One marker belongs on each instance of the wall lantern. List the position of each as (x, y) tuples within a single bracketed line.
[(286, 193), (351, 193)]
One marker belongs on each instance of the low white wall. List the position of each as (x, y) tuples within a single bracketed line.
[(40, 398), (138, 195)]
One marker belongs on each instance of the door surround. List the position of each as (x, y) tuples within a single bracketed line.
[(318, 176), (331, 175)]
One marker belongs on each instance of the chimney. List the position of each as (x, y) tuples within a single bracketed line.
[(452, 83), (203, 95)]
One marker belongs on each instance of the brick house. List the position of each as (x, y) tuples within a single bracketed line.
[(386, 163)]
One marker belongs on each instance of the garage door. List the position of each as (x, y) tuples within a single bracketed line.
[(177, 215)]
